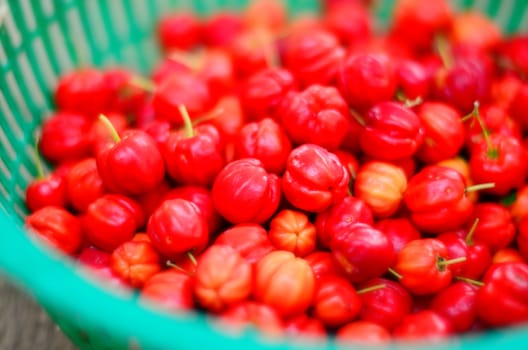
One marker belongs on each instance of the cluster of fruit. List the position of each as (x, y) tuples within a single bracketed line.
[(309, 176)]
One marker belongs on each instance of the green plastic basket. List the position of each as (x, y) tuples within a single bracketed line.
[(40, 40)]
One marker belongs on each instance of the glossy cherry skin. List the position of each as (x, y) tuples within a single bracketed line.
[(503, 299), (84, 184), (506, 169), (133, 165), (414, 80), (245, 192), (169, 290), (221, 28), (399, 231), (351, 23), (177, 227), (263, 93), (313, 57), (316, 115), (250, 313), (216, 291), (366, 79), (57, 228), (251, 241), (457, 303), (47, 191), (194, 159), (385, 306), (323, 264), (265, 140), (423, 325), (391, 131), (304, 326), (362, 251), (135, 261), (381, 186), (280, 270), (65, 137), (495, 227), (437, 201), (111, 220), (335, 301), (339, 216), (443, 132), (363, 332), (181, 30), (314, 178), (292, 230)]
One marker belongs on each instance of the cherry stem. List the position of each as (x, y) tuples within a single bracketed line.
[(357, 117), (38, 161), (351, 171), (480, 187), (394, 273), (174, 266), (142, 83), (469, 237), (400, 96), (108, 124), (470, 281), (192, 258), (264, 39), (187, 122), (475, 113), (371, 288), (444, 51), (191, 61), (451, 261), (215, 113)]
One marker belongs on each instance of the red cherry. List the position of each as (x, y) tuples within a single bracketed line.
[(169, 290), (251, 241), (457, 303), (46, 191), (180, 30), (423, 325), (84, 184)]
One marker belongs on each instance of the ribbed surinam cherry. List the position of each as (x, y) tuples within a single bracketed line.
[(363, 332), (381, 186), (336, 301), (263, 93), (366, 79), (503, 300), (281, 271), (135, 261), (495, 227), (437, 199), (252, 51), (194, 156), (245, 192), (314, 178), (100, 137), (317, 115), (180, 30), (250, 313), (177, 227), (111, 220), (474, 29), (351, 23), (84, 184), (457, 303), (422, 266), (304, 326), (423, 325), (342, 214), (385, 306), (65, 137), (217, 289), (49, 190), (171, 290), (391, 131), (362, 251), (132, 165), (292, 231), (443, 132), (313, 56), (399, 231), (251, 241), (56, 227), (414, 81), (266, 141), (221, 28)]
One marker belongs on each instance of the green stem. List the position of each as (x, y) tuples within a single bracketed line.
[(142, 83), (493, 152), (469, 237), (110, 127), (371, 288), (187, 122), (444, 51), (470, 281), (480, 187), (357, 117), (38, 161), (451, 261), (394, 273), (215, 113), (179, 268), (192, 258)]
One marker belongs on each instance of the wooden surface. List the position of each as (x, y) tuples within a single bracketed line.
[(24, 325)]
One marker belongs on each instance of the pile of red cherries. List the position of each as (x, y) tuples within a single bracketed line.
[(308, 176)]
